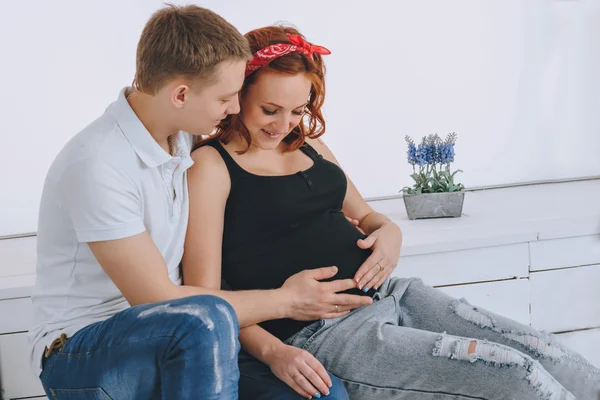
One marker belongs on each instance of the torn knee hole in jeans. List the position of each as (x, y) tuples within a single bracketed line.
[(464, 349), (542, 345)]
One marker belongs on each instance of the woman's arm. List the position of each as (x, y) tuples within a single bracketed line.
[(385, 237), (208, 186)]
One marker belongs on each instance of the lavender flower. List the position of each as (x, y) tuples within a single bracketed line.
[(447, 149), (426, 152), (412, 151), (433, 153)]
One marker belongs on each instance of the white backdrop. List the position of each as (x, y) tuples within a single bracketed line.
[(517, 80)]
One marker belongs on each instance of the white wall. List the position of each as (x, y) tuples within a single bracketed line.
[(517, 80)]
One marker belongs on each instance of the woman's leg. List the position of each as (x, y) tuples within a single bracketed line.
[(378, 358), (426, 308), (257, 382), (179, 349)]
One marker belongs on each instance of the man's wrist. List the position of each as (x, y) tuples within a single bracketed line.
[(284, 301)]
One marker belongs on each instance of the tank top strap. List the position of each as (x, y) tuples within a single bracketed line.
[(311, 152), (235, 171)]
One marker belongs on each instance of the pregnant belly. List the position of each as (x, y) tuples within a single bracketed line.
[(325, 240)]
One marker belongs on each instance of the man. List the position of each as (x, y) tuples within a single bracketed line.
[(112, 317)]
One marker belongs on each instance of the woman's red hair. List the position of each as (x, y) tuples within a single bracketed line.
[(313, 124)]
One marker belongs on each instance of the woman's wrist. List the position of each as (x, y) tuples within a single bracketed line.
[(270, 350)]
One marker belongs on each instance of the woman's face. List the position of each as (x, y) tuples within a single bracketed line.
[(273, 106)]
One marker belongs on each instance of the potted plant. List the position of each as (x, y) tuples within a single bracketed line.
[(434, 194)]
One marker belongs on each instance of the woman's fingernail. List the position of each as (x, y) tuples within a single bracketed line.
[(366, 289), (318, 395)]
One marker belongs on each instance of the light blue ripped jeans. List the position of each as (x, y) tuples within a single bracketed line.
[(180, 349), (415, 342)]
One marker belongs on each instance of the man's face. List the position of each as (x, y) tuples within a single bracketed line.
[(204, 107)]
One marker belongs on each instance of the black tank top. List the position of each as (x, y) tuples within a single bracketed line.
[(276, 226)]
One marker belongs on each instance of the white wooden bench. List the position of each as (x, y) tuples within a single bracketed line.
[(531, 253)]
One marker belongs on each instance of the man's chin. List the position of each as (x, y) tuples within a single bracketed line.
[(204, 132)]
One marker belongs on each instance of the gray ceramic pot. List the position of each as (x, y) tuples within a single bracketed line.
[(434, 205)]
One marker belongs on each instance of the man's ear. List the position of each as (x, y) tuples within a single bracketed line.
[(179, 95)]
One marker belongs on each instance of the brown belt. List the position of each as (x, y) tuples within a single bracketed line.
[(57, 343)]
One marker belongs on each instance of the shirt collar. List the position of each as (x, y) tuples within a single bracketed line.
[(147, 149)]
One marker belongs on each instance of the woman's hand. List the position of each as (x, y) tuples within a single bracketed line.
[(385, 243), (300, 370)]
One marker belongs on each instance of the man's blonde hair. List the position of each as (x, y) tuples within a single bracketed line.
[(186, 42)]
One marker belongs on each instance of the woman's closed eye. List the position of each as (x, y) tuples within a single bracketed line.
[(273, 112)]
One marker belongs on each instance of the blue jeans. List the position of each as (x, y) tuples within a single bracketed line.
[(257, 382), (178, 349)]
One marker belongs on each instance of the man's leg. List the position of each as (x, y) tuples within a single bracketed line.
[(257, 382), (178, 349)]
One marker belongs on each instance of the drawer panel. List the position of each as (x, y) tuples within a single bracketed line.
[(465, 266), (583, 342), (15, 315), (566, 299), (17, 378), (567, 252), (507, 298)]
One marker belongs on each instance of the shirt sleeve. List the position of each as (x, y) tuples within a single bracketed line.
[(103, 202)]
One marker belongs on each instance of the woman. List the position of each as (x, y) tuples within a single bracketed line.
[(268, 199)]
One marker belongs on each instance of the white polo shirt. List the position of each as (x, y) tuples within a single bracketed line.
[(111, 181)]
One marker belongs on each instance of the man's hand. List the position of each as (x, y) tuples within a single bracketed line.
[(386, 243), (300, 370), (312, 300)]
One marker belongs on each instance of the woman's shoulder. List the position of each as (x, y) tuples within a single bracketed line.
[(207, 155), (316, 144), (324, 151)]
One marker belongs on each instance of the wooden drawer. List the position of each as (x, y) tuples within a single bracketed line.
[(18, 256), (15, 315), (583, 342), (17, 379), (567, 252), (465, 266), (566, 299), (507, 298)]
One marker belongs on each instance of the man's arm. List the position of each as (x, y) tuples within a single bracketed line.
[(106, 210), (138, 269)]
